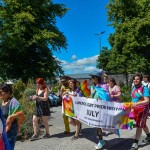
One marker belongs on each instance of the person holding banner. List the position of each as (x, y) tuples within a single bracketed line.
[(140, 98), (72, 121), (99, 91), (65, 87)]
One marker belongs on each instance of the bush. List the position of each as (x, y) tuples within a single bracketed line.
[(29, 92), (18, 89)]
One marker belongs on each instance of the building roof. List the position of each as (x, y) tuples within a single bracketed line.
[(79, 76)]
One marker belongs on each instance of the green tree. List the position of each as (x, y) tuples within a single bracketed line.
[(103, 58), (130, 42), (28, 36)]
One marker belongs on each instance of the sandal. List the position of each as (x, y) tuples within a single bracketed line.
[(34, 137)]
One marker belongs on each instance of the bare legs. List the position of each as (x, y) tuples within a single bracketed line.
[(35, 124)]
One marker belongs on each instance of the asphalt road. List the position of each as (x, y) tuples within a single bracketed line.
[(87, 140)]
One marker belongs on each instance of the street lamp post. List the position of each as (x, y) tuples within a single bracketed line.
[(99, 34)]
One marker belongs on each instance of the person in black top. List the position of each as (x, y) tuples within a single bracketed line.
[(41, 108)]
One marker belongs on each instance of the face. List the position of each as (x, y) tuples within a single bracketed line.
[(39, 86), (105, 79), (71, 85), (64, 82), (94, 79), (4, 95), (137, 81), (145, 79), (111, 84)]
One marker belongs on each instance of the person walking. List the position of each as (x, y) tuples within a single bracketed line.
[(41, 109), (72, 121), (65, 87), (140, 99), (12, 113), (99, 91)]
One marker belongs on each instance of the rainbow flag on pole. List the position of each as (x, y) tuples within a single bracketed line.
[(83, 89)]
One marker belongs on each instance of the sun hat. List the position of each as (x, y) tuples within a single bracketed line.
[(97, 73)]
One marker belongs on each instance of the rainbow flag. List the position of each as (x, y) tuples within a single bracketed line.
[(68, 106), (83, 89), (15, 108), (127, 122)]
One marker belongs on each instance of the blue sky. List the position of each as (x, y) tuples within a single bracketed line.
[(84, 19)]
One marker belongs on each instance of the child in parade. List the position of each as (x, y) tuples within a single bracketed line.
[(140, 99), (99, 91)]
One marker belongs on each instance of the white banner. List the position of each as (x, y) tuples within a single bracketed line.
[(97, 113)]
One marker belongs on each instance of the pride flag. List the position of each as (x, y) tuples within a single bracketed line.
[(83, 89)]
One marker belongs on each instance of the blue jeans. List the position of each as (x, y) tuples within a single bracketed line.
[(54, 99), (12, 134)]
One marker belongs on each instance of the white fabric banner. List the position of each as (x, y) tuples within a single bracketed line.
[(96, 113)]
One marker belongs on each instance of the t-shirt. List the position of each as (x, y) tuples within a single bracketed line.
[(138, 93)]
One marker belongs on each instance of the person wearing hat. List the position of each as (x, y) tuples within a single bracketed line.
[(41, 109), (99, 91)]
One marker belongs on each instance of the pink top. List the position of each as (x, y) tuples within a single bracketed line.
[(115, 93)]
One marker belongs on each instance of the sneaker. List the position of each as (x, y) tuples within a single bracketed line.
[(74, 137), (146, 140), (46, 136), (34, 137), (100, 145), (134, 146)]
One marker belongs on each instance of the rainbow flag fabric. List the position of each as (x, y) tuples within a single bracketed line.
[(83, 89), (15, 108)]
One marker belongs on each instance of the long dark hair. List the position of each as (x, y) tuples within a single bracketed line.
[(113, 81)]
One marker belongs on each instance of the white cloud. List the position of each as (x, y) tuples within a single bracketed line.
[(73, 57), (84, 65)]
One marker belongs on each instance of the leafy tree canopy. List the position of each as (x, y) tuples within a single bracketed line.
[(130, 42), (28, 35)]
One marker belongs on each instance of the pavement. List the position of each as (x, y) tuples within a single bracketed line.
[(87, 140)]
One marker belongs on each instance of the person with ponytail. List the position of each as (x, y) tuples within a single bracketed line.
[(41, 109)]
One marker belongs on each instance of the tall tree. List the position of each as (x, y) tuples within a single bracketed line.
[(131, 41), (103, 58), (28, 35)]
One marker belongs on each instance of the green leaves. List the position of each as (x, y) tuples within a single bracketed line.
[(28, 35), (130, 51)]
